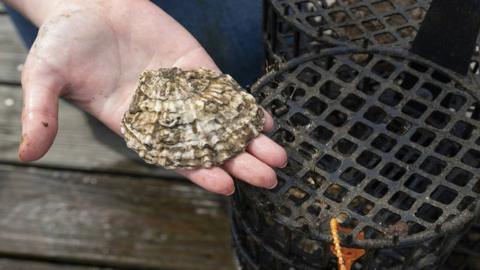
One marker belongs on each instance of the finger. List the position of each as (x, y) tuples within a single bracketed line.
[(214, 180), (40, 111), (251, 170), (269, 124), (268, 151)]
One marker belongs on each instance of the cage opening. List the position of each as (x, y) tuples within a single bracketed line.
[(429, 91), (353, 102), (459, 177), (371, 233), (361, 59), (337, 118), (406, 80), (396, 20), (433, 165), (330, 89), (438, 119), (361, 205), (473, 111), (402, 201), (444, 195), (429, 213), (335, 192), (418, 66), (386, 218), (448, 148), (352, 176), (315, 106), (360, 131), (368, 159), (408, 32), (462, 130), (383, 69), (441, 77), (309, 76), (278, 108), (328, 163), (368, 86), (322, 134), (283, 136), (307, 150), (472, 158), (418, 183), (392, 171), (423, 137), (453, 102), (299, 119), (385, 38), (466, 203), (339, 16), (376, 188), (407, 154), (345, 147), (373, 25), (390, 97), (399, 126), (361, 12), (384, 143), (414, 109), (313, 180), (297, 195), (375, 115)]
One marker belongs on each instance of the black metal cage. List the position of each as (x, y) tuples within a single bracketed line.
[(387, 143), (295, 27)]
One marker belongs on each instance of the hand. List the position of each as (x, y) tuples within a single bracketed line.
[(92, 52)]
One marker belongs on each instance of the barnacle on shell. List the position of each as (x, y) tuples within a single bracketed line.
[(190, 119)]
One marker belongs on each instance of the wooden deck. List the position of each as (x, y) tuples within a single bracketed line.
[(89, 203)]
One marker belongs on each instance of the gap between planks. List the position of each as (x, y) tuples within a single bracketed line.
[(111, 221)]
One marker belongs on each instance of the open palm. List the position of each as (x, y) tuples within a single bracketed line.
[(92, 52)]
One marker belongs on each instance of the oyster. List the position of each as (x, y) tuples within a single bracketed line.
[(190, 119)]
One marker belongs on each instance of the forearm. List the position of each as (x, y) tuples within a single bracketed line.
[(34, 10)]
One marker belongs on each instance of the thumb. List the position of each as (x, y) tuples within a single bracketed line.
[(41, 91)]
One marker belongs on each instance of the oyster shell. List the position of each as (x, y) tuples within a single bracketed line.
[(190, 119)]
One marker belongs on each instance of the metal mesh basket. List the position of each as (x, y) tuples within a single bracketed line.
[(294, 27), (466, 254), (385, 142)]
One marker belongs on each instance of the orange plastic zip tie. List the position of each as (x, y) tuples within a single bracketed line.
[(348, 255), (336, 243)]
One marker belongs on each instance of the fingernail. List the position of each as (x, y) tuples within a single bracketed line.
[(231, 193), (284, 164), (274, 185)]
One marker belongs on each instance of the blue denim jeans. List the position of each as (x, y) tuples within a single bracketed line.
[(230, 31)]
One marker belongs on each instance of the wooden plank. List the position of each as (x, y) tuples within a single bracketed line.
[(12, 51), (9, 264), (82, 142), (111, 221)]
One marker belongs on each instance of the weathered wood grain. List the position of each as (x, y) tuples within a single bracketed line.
[(82, 142), (111, 221), (12, 51), (9, 264)]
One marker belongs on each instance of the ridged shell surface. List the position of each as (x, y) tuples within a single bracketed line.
[(190, 119)]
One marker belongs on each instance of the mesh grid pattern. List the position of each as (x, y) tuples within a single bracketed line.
[(389, 143), (289, 250), (294, 27)]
